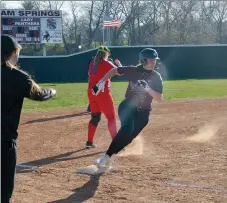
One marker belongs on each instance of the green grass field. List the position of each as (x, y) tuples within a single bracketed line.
[(72, 95)]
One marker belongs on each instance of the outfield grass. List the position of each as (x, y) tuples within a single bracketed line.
[(72, 95)]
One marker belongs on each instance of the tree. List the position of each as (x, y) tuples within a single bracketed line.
[(92, 20), (3, 5), (53, 5), (142, 22), (219, 14), (117, 10), (28, 5)]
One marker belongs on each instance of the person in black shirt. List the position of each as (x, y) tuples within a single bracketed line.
[(16, 85), (145, 84)]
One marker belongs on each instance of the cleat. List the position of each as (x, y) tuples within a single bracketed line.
[(104, 161), (90, 145)]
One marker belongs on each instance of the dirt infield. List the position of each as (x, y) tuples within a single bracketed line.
[(181, 156)]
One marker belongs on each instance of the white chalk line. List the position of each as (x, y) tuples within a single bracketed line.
[(167, 183), (180, 185), (26, 166)]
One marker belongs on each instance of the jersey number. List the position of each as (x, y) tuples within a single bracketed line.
[(93, 70)]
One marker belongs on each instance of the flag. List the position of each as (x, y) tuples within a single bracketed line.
[(111, 23)]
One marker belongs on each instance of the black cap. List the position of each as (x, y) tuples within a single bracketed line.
[(8, 45)]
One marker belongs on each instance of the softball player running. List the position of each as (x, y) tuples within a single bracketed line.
[(145, 84), (102, 103)]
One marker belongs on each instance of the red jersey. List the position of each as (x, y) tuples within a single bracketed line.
[(96, 73)]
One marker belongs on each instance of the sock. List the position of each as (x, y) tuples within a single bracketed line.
[(91, 132)]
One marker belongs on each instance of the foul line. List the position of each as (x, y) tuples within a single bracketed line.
[(167, 183), (179, 185)]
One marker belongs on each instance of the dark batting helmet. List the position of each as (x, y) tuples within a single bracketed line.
[(148, 53)]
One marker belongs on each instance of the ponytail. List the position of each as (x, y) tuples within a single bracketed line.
[(99, 57)]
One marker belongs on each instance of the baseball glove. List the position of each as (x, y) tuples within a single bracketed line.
[(143, 83), (98, 87)]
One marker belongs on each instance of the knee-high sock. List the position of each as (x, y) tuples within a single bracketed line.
[(91, 132)]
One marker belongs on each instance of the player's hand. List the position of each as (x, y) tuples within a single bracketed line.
[(53, 92), (47, 93), (143, 83), (116, 61), (98, 87)]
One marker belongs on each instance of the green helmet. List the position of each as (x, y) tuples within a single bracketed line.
[(104, 49), (148, 53)]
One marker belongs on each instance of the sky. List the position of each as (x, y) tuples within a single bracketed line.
[(17, 4)]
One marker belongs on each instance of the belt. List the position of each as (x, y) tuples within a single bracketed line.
[(143, 109), (138, 108)]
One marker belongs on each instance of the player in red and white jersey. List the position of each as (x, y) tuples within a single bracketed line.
[(103, 103)]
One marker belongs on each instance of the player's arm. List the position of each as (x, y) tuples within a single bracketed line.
[(31, 90), (116, 68), (123, 70), (155, 89), (156, 95), (119, 70), (41, 94)]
